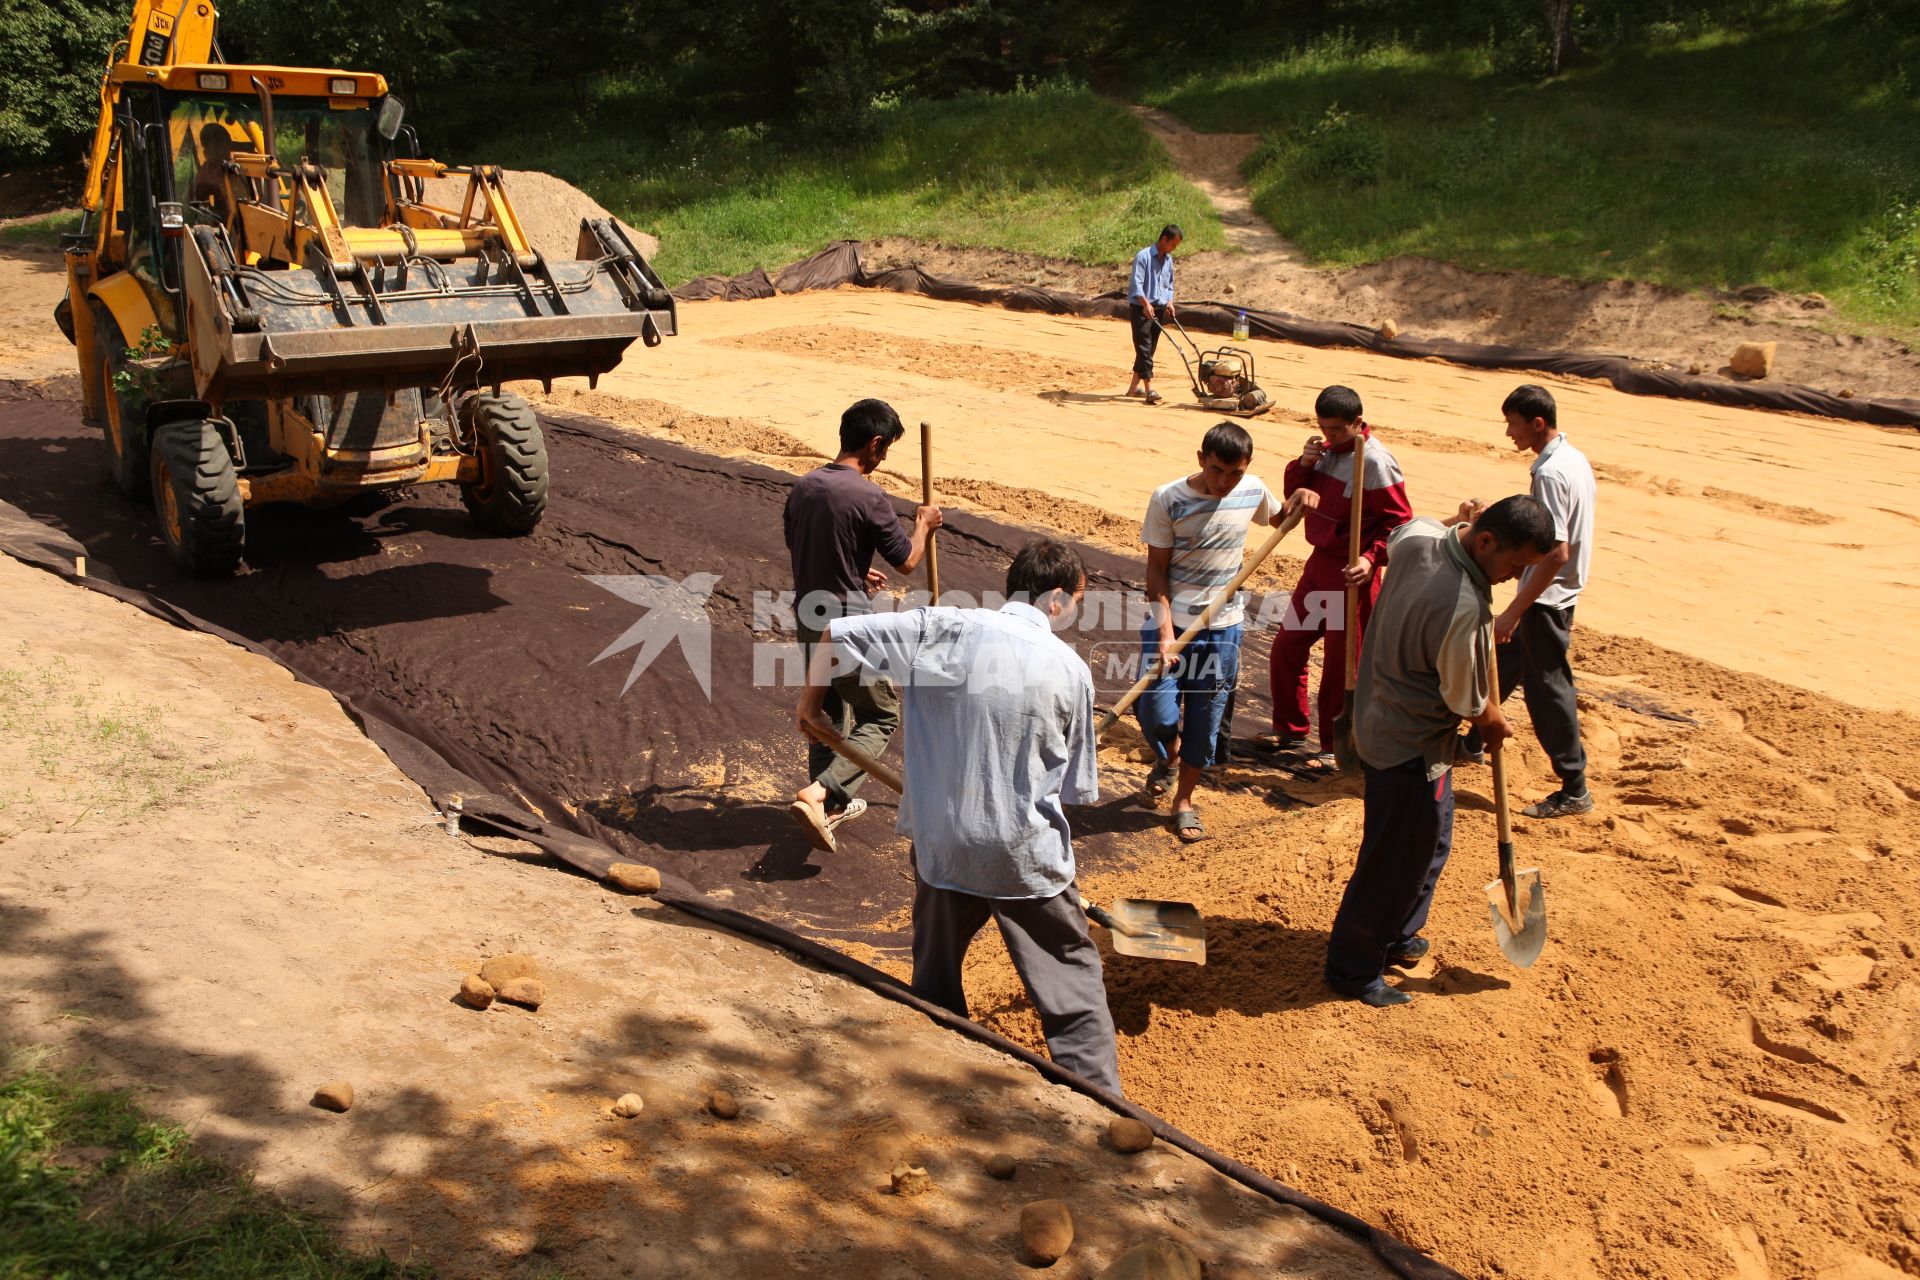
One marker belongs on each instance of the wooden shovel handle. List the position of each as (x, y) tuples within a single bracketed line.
[(1354, 512), (875, 769), (1112, 716), (926, 499), (1497, 759)]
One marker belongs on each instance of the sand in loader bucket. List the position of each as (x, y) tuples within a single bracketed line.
[(550, 210)]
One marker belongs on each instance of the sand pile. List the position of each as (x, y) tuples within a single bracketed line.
[(550, 210), (1711, 1070)]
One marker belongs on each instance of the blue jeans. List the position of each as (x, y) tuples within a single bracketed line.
[(1192, 702)]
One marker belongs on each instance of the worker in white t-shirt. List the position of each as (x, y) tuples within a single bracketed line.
[(1535, 631)]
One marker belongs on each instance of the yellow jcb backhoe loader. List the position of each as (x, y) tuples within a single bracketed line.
[(267, 307)]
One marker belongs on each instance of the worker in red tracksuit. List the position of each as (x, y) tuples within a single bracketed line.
[(1325, 471)]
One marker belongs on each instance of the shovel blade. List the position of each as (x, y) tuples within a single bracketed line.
[(1156, 930), (1522, 940)]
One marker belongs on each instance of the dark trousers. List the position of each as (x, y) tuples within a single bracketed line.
[(1055, 957), (1406, 834), (1146, 337), (1535, 661), (866, 713)]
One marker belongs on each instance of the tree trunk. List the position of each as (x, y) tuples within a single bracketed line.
[(1559, 15)]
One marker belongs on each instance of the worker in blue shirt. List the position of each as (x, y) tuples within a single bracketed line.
[(1149, 298)]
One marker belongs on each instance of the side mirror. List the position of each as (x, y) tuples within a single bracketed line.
[(387, 123)]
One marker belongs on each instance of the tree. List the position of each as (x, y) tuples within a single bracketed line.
[(54, 52), (1559, 16)]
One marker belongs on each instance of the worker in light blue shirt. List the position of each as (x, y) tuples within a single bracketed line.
[(998, 733), (1149, 303)]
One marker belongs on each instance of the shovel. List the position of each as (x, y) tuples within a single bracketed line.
[(1108, 718), (1516, 901), (1144, 927), (1345, 754)]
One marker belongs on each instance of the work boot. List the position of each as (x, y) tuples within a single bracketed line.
[(1561, 805), (1409, 955), (1382, 996)]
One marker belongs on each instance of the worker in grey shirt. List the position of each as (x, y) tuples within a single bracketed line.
[(1423, 669), (999, 738), (1535, 632)]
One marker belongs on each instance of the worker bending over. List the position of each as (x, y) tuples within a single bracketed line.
[(999, 738), (1322, 476), (1422, 671)]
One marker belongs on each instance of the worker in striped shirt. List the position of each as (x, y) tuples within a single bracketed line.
[(1196, 536)]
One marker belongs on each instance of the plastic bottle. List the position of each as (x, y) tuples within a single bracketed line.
[(1240, 329)]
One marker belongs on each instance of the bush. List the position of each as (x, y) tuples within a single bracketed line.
[(1342, 147)]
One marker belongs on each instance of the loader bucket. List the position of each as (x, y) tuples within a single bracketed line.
[(415, 321)]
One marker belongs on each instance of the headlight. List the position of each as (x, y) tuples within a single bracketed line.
[(215, 80), (342, 88)]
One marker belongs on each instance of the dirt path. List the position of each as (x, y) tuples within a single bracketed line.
[(166, 790), (1211, 162)]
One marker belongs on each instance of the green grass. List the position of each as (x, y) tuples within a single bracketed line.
[(1788, 155), (1053, 170), (44, 232), (92, 1186)]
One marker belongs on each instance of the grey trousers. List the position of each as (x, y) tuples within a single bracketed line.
[(1535, 660), (866, 714), (1053, 954)]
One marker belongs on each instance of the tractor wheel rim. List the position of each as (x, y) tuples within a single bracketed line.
[(170, 511)]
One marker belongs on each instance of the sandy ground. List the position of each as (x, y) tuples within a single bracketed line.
[(1718, 526), (251, 815), (1711, 1072)]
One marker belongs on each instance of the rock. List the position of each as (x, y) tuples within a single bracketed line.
[(1046, 1231), (1129, 1135), (1753, 359), (1389, 328), (528, 993), (910, 1180), (723, 1104), (475, 992), (1161, 1259), (335, 1095), (633, 877), (1002, 1166), (504, 968), (1814, 302), (629, 1105), (1846, 393), (1696, 369)]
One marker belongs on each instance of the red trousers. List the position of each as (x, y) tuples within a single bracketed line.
[(1312, 613)]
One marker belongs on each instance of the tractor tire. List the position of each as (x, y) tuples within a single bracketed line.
[(122, 422), (511, 493), (197, 497)]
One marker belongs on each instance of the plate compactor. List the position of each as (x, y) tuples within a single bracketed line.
[(268, 306), (1222, 378)]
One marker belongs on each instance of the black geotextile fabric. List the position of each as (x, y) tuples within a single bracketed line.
[(468, 660), (839, 263)]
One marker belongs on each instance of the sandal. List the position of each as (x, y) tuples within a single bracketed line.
[(1186, 825), (1278, 744), (1313, 768), (818, 832), (1159, 781)]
